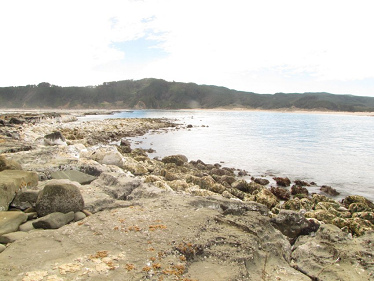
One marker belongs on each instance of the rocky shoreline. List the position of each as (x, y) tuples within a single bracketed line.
[(78, 203)]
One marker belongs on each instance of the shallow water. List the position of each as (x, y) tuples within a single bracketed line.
[(335, 150)]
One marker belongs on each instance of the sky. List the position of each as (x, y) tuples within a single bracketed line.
[(263, 46)]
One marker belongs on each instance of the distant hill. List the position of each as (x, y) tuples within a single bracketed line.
[(159, 94)]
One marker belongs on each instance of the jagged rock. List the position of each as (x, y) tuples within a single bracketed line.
[(329, 190), (25, 199), (55, 138), (333, 255), (59, 196), (9, 164), (281, 193), (267, 198), (282, 181), (73, 175), (12, 181), (54, 220), (179, 160), (11, 237), (293, 224), (117, 186), (10, 221), (299, 190), (261, 181)]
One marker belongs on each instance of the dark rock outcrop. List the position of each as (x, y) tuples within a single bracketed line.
[(282, 181)]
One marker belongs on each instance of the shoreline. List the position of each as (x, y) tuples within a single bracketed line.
[(175, 219)]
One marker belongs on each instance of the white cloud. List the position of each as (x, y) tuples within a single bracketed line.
[(261, 46)]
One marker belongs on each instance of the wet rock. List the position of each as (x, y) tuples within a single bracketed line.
[(329, 190), (301, 183), (11, 237), (10, 221), (281, 193), (25, 199), (59, 196), (179, 160), (54, 220), (327, 205), (282, 181), (55, 138), (9, 164), (293, 224), (73, 175), (11, 182), (295, 189), (261, 181), (316, 198), (358, 207), (16, 121), (267, 198)]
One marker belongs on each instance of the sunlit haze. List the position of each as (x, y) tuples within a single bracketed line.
[(258, 46)]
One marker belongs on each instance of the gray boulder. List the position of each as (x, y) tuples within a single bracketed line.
[(59, 196), (12, 181), (10, 221), (54, 220)]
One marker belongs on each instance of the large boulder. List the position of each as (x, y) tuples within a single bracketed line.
[(9, 164), (59, 196), (11, 182), (10, 221)]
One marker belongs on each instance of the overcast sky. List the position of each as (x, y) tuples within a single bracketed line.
[(263, 46)]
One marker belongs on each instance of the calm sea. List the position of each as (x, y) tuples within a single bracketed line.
[(335, 150)]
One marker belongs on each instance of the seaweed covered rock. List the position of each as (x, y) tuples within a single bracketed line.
[(295, 189), (179, 160), (281, 193), (282, 181), (59, 196), (357, 199)]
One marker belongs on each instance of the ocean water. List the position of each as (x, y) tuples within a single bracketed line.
[(329, 149)]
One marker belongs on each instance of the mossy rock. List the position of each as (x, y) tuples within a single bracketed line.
[(321, 215), (359, 226), (321, 198), (358, 207), (327, 205), (292, 204), (369, 216), (357, 199)]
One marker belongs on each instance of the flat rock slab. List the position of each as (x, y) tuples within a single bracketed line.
[(172, 237), (54, 220), (10, 221), (13, 236), (12, 181), (73, 175)]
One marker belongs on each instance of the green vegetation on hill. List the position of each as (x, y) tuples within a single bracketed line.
[(160, 94)]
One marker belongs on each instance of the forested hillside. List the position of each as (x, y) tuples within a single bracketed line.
[(159, 94)]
